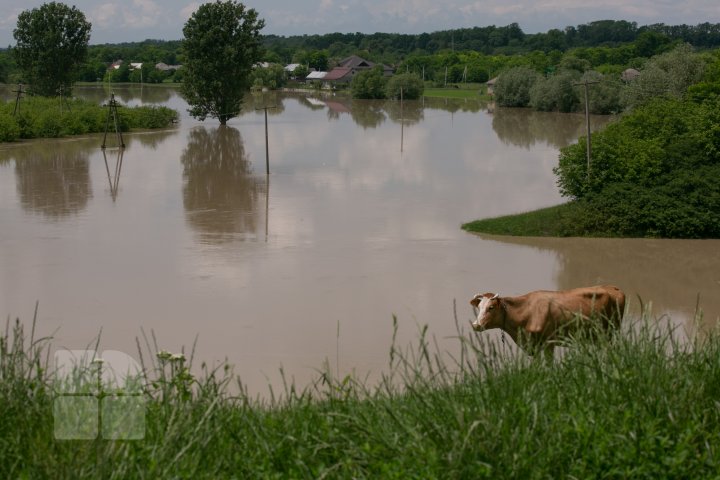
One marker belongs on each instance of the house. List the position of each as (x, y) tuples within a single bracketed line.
[(164, 67), (315, 76), (339, 75), (358, 63), (290, 68)]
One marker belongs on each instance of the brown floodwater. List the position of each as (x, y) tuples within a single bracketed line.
[(184, 235)]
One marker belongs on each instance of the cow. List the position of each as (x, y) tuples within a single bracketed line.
[(537, 320)]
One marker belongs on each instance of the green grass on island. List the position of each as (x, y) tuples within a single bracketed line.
[(42, 117), (470, 90), (557, 221), (638, 405)]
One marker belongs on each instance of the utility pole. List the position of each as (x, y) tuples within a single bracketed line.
[(113, 111), (267, 147), (19, 92), (402, 121), (586, 83)]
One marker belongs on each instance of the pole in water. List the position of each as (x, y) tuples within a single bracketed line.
[(267, 143), (112, 111)]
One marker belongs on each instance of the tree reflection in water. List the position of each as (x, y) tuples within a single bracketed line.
[(220, 195), (524, 127), (53, 181)]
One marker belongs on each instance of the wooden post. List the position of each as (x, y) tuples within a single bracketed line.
[(267, 146), (19, 92), (586, 83), (402, 121)]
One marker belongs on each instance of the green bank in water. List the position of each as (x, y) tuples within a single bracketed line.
[(41, 117)]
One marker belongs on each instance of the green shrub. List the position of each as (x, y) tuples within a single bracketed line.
[(653, 173), (9, 128), (411, 84), (48, 117), (555, 93), (369, 84), (513, 87)]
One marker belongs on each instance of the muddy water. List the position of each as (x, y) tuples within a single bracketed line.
[(184, 235)]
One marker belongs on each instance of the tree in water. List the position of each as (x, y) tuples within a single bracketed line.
[(52, 42), (222, 44)]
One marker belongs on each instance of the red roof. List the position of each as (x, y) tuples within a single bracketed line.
[(337, 73)]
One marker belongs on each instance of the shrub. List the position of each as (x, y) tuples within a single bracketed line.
[(513, 87), (9, 128), (653, 173), (369, 84), (555, 93), (411, 84)]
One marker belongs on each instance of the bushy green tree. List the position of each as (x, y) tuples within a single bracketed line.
[(513, 87), (603, 93), (653, 173), (556, 93), (52, 42), (369, 84), (221, 44), (668, 74), (271, 77), (412, 86)]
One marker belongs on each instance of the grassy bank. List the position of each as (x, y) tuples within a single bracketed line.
[(641, 407), (557, 221), (39, 117), (462, 90)]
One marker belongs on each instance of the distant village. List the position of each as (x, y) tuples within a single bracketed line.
[(342, 74)]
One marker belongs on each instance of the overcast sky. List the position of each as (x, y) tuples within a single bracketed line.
[(135, 20)]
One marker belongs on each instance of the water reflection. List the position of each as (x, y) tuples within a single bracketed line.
[(368, 114), (670, 273), (525, 128), (220, 195), (114, 179), (53, 181)]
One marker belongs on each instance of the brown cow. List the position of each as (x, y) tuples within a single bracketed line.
[(540, 318)]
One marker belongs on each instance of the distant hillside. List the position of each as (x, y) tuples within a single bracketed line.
[(510, 39)]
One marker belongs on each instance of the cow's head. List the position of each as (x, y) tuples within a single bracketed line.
[(488, 309)]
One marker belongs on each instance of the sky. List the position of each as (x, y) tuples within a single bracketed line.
[(116, 21)]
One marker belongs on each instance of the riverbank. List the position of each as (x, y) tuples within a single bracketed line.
[(642, 406), (564, 220), (461, 90), (39, 117)]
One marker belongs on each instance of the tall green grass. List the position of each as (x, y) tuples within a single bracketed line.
[(637, 405), (40, 117)]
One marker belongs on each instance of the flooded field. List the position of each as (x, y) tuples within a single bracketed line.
[(183, 234)]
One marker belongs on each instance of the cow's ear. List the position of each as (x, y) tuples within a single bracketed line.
[(476, 300)]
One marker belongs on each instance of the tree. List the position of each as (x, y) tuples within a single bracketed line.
[(555, 93), (369, 84), (222, 43), (52, 43), (513, 87), (411, 84)]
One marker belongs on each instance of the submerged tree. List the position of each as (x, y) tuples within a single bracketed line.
[(52, 43), (222, 43)]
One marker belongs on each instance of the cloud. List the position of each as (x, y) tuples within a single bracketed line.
[(140, 14), (189, 9)]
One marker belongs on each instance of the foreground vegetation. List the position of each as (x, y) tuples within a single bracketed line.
[(41, 117), (640, 406)]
